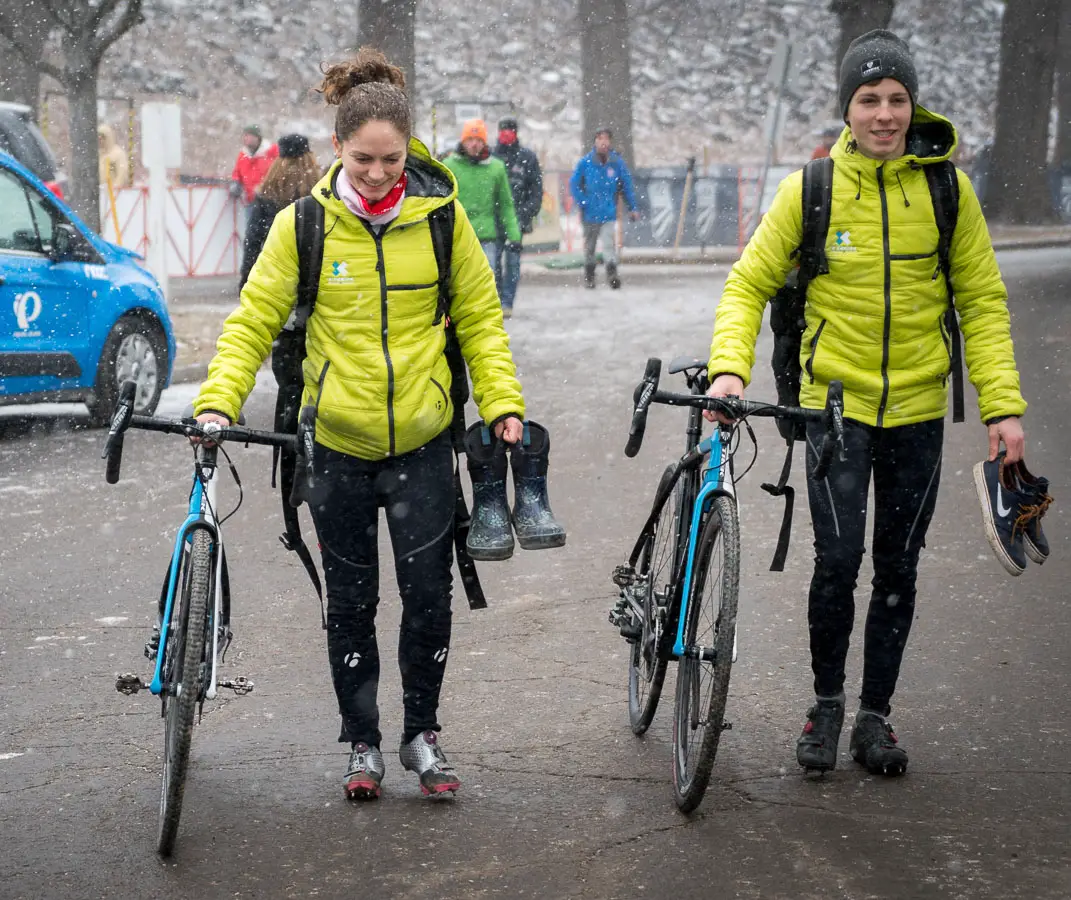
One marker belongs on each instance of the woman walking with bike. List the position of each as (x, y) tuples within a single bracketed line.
[(874, 321), (376, 372)]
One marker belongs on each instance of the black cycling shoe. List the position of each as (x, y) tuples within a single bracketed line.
[(874, 745), (816, 749)]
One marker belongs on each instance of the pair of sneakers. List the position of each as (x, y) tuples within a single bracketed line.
[(873, 741), (1013, 503), (422, 755)]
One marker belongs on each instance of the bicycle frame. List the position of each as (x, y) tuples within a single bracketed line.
[(713, 484), (201, 514)]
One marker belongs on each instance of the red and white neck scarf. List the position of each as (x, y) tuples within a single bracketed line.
[(380, 212)]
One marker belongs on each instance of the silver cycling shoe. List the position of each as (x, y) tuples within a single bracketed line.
[(425, 756), (364, 773)]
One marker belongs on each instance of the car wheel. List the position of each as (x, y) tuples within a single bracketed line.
[(134, 351)]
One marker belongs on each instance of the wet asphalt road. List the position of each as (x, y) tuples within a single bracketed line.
[(560, 799)]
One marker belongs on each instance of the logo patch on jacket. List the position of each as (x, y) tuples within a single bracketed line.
[(340, 273), (843, 243)]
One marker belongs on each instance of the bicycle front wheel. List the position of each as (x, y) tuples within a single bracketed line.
[(184, 673), (703, 672), (654, 574)]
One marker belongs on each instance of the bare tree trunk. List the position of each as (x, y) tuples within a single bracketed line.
[(1018, 189), (388, 25), (82, 111), (1062, 156), (606, 73), (20, 82), (858, 17)]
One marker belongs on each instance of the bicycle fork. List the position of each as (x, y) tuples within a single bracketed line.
[(202, 509)]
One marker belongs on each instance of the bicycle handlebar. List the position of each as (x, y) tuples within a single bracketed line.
[(832, 415), (124, 418)]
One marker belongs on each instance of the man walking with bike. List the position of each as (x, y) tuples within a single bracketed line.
[(875, 321)]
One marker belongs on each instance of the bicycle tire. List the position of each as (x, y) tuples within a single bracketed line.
[(647, 667), (186, 647), (704, 685)]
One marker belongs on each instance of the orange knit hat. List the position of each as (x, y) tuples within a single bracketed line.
[(474, 128)]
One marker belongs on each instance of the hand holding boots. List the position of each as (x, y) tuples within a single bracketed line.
[(490, 534)]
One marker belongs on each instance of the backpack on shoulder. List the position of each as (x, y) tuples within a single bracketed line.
[(788, 305), (288, 354)]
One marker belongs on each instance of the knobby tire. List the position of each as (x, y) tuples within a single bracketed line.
[(703, 687), (647, 667), (186, 650)]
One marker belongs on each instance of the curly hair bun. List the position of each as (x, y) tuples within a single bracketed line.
[(369, 66)]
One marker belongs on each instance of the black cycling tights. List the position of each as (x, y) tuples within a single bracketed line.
[(906, 466), (417, 491)]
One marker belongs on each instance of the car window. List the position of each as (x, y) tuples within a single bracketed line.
[(22, 139), (19, 221)]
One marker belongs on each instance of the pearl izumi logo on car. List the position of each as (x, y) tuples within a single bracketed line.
[(871, 68), (27, 309), (340, 273)]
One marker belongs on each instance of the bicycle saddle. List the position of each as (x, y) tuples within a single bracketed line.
[(685, 364)]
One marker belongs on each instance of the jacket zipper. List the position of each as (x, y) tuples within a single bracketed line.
[(442, 391), (381, 268), (887, 328), (814, 348)]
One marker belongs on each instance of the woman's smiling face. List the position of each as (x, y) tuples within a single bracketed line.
[(373, 158)]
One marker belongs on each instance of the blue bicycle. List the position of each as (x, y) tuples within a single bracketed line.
[(679, 589), (194, 607)]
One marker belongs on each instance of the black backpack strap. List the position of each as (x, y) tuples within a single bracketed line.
[(817, 202), (944, 194), (441, 224), (309, 231), (817, 196)]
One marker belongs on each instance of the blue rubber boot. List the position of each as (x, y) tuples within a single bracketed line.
[(490, 537), (533, 520)]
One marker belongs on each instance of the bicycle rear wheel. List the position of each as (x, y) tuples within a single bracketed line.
[(703, 679), (184, 674), (654, 574)]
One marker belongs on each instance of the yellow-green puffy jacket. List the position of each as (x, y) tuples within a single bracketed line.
[(875, 321), (371, 337)]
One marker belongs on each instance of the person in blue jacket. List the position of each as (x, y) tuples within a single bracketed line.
[(597, 180)]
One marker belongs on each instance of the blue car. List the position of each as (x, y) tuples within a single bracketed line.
[(78, 315)]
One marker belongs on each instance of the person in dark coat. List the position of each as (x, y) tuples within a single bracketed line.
[(292, 176), (526, 185)]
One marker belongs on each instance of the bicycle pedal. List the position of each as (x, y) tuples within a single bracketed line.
[(240, 685), (129, 684)]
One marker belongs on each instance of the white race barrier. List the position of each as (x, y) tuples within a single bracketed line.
[(205, 227)]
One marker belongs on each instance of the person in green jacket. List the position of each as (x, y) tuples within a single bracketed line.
[(376, 371), (483, 189), (874, 322)]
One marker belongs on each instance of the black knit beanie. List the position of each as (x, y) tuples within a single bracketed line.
[(872, 56), (293, 145)]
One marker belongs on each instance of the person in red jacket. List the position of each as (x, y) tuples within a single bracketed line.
[(252, 164)]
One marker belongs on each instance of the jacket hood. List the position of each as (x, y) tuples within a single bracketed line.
[(931, 138), (430, 185), (107, 137)]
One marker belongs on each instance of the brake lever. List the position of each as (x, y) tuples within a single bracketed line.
[(306, 436)]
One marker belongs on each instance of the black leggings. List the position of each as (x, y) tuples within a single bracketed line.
[(906, 465), (417, 491)]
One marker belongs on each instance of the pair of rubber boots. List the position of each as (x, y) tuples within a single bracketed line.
[(490, 533)]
